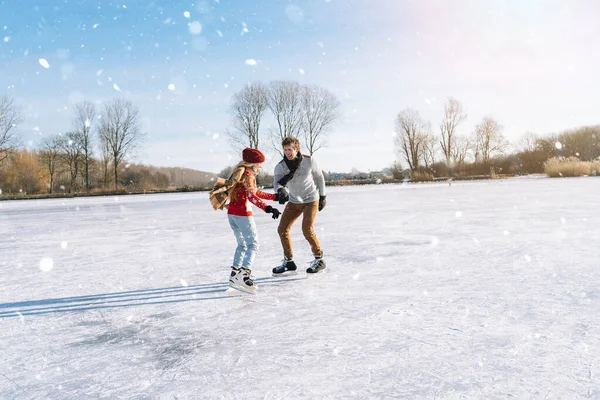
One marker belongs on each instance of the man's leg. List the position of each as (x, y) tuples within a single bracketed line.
[(308, 227), (289, 216)]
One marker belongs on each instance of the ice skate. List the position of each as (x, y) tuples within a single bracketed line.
[(318, 265), (287, 268), (240, 279)]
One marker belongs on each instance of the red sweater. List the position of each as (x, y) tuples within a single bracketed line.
[(247, 192)]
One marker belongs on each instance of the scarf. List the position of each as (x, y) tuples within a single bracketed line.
[(292, 166)]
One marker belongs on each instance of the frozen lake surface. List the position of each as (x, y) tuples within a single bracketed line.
[(478, 290)]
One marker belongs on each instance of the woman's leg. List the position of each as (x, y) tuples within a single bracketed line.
[(248, 230), (241, 248)]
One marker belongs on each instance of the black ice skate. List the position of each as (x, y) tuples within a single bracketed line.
[(287, 268), (316, 266)]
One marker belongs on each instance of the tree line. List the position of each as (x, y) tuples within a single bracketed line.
[(92, 154), (436, 152), (67, 160)]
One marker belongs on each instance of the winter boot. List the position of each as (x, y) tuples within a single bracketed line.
[(316, 266), (240, 280), (287, 267)]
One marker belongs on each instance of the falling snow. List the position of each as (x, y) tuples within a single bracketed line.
[(44, 63), (195, 28)]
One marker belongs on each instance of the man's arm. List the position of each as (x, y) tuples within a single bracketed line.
[(318, 177), (277, 175)]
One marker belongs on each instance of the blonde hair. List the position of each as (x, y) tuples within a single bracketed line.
[(239, 177), (251, 166)]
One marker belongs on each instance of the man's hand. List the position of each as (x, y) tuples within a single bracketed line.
[(282, 195), (270, 210), (322, 202)]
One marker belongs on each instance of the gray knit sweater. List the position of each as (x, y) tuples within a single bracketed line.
[(307, 184)]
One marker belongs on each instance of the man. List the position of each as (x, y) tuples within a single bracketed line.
[(306, 194)]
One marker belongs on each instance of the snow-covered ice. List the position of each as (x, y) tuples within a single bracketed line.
[(478, 290)]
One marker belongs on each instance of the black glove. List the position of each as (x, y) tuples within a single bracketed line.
[(322, 202), (270, 210), (282, 195)]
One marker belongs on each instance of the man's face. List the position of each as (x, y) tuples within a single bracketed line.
[(290, 152)]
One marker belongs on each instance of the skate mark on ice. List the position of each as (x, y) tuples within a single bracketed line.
[(91, 297), (115, 300), (241, 289), (267, 280)]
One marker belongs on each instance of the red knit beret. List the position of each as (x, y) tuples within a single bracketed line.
[(253, 156)]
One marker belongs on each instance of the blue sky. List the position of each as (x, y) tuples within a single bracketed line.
[(532, 65)]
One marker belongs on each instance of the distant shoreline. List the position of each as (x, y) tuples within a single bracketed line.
[(341, 182)]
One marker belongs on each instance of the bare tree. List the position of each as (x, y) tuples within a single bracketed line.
[(527, 143), (85, 114), (460, 150), (488, 139), (49, 156), (71, 152), (454, 115), (581, 142), (10, 117), (283, 99), (320, 109), (120, 132), (248, 106), (549, 146), (410, 132), (106, 157), (429, 149)]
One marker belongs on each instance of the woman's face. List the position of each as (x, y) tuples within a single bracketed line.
[(290, 152)]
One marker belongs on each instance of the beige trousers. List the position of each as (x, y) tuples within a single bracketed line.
[(290, 214)]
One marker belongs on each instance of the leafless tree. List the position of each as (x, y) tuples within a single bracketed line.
[(120, 132), (10, 117), (284, 101), (429, 149), (581, 142), (85, 115), (248, 106), (454, 115), (106, 157), (549, 145), (49, 156), (488, 139), (527, 143), (71, 153), (410, 132), (460, 150), (320, 109)]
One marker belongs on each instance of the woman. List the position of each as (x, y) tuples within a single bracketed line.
[(240, 217)]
